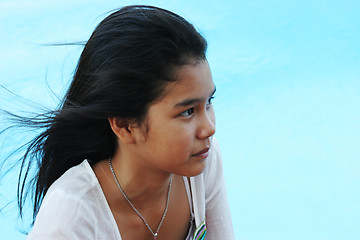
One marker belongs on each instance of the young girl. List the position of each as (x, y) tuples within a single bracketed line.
[(130, 153)]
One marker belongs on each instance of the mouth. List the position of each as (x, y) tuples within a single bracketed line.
[(202, 154)]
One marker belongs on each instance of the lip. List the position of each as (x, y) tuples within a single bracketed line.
[(202, 154)]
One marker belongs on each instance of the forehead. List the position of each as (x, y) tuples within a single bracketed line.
[(191, 80)]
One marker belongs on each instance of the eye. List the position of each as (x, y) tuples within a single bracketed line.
[(210, 99), (189, 112), (209, 103)]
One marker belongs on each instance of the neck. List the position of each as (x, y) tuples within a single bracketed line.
[(140, 183)]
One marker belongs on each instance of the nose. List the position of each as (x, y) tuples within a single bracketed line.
[(207, 125)]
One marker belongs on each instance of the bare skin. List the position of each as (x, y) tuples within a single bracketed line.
[(131, 227), (174, 142)]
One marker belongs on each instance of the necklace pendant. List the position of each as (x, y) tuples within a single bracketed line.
[(133, 207)]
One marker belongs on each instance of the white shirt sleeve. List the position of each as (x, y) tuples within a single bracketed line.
[(75, 208), (218, 217), (61, 217)]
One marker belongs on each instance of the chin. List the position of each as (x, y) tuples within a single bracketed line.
[(195, 171)]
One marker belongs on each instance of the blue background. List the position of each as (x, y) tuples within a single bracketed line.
[(287, 102)]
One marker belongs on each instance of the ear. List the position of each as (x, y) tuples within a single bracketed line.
[(122, 129)]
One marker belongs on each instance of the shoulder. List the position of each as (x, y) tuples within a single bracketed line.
[(73, 207), (77, 181), (217, 212), (213, 167), (77, 185), (211, 179), (213, 176)]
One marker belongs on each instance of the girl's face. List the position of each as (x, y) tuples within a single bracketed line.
[(181, 124)]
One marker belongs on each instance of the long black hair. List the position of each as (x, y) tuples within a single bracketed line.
[(123, 68)]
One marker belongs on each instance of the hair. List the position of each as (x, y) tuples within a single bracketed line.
[(125, 65)]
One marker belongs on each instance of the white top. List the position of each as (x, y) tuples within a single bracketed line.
[(75, 207)]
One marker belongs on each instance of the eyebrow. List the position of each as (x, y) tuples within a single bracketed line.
[(191, 101)]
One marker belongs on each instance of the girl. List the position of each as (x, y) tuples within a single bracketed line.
[(130, 153)]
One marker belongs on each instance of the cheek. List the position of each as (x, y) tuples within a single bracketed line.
[(177, 140), (176, 131)]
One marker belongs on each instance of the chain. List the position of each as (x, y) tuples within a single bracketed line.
[(137, 212)]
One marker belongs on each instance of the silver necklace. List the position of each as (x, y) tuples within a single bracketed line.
[(137, 212)]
